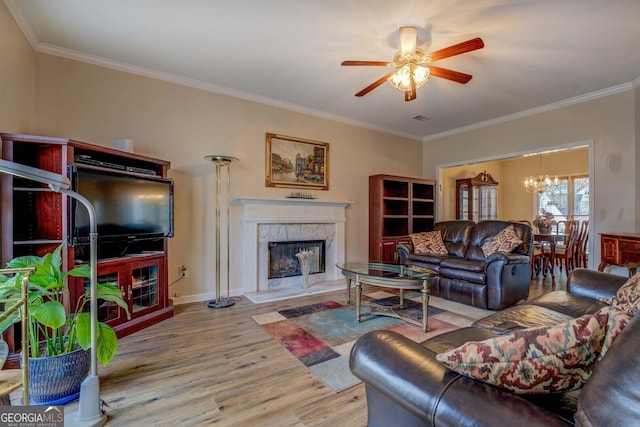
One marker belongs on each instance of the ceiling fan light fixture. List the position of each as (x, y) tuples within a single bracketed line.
[(408, 40), (401, 79)]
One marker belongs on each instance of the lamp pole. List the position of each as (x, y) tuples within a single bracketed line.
[(89, 411), (221, 161)]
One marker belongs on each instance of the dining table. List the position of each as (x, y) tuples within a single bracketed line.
[(552, 239)]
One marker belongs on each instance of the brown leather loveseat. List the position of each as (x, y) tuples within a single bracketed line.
[(407, 386), (466, 275)]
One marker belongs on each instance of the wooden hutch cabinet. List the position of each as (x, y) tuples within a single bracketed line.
[(477, 198), (36, 220), (398, 206)]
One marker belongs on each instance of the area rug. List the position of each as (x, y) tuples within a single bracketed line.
[(321, 335)]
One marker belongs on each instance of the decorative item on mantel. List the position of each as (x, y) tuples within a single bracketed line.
[(299, 195), (304, 257)]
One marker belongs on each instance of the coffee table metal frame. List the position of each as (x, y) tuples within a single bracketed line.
[(394, 276)]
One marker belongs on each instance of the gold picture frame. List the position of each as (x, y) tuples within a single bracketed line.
[(296, 163)]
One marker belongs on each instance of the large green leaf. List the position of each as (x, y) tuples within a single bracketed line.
[(24, 261), (82, 271), (111, 293), (50, 314), (106, 338), (83, 330), (107, 343), (13, 317)]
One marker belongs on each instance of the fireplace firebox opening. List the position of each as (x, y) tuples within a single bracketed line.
[(284, 263)]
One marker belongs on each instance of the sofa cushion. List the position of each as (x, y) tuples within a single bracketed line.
[(484, 231), (456, 235), (522, 316), (505, 241), (540, 360), (429, 242), (463, 264), (566, 303), (427, 258)]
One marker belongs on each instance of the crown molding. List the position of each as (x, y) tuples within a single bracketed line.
[(23, 24), (209, 87), (537, 110), (32, 38)]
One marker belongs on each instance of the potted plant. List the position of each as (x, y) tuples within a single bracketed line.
[(55, 333), (544, 222)]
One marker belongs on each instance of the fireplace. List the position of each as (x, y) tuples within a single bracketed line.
[(284, 263), (267, 220)]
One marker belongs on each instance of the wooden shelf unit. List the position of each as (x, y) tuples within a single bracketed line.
[(398, 206), (35, 220)]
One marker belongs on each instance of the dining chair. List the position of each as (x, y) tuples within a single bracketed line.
[(581, 246), (566, 254)]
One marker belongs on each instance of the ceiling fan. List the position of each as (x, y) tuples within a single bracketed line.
[(413, 67)]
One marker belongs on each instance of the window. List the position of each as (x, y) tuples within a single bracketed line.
[(566, 201)]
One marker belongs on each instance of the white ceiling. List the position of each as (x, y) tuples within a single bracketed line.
[(287, 53)]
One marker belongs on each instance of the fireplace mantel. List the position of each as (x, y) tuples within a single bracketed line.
[(262, 217), (301, 210)]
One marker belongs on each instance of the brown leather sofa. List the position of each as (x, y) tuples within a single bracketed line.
[(465, 275), (407, 386)]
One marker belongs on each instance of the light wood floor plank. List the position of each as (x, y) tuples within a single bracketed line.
[(207, 366)]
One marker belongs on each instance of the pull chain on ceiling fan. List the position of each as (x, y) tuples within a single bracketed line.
[(413, 67)]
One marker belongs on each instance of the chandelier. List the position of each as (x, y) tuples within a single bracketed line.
[(539, 184)]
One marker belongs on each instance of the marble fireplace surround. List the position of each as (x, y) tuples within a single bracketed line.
[(269, 219)]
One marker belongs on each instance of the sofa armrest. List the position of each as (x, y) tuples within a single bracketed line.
[(406, 375), (404, 249), (593, 284)]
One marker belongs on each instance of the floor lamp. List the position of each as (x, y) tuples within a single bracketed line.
[(221, 162), (89, 411)]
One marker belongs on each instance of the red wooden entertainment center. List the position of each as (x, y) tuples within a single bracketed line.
[(36, 220)]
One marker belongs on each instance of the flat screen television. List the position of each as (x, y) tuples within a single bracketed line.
[(128, 207)]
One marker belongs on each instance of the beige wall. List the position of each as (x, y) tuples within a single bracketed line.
[(16, 69), (513, 201), (608, 122), (182, 125)]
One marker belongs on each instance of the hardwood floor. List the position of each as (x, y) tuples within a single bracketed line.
[(207, 366)]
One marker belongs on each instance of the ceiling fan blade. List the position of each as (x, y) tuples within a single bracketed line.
[(455, 76), (372, 63), (456, 49), (374, 85), (408, 40)]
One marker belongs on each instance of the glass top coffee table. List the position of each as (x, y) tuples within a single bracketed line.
[(389, 276)]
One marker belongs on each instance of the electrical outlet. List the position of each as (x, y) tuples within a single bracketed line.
[(183, 271)]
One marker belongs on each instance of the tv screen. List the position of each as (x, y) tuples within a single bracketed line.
[(127, 207)]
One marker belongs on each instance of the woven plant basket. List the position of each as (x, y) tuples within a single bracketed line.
[(56, 380)]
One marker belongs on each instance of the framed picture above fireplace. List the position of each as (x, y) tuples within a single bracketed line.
[(296, 163)]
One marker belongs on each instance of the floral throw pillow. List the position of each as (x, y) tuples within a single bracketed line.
[(627, 298), (505, 241), (429, 242), (540, 360)]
